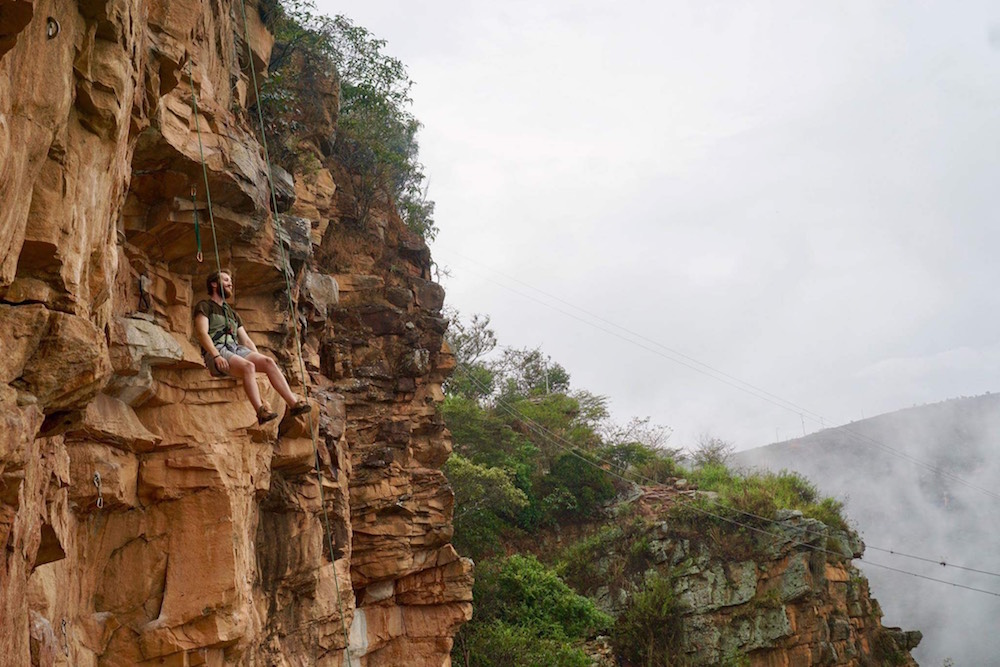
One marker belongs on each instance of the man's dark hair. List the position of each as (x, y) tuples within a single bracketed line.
[(213, 277)]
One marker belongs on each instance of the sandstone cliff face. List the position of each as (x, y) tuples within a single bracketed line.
[(145, 518)]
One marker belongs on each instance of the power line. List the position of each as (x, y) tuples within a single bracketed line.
[(568, 446), (940, 562), (789, 405), (736, 383)]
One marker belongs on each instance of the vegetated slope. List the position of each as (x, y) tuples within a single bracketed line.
[(920, 510), (579, 565)]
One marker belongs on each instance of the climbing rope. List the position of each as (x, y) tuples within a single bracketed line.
[(285, 270), (208, 198)]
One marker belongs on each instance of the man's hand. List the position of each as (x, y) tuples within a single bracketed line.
[(221, 364)]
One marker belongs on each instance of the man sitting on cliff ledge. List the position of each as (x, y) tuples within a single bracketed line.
[(229, 350)]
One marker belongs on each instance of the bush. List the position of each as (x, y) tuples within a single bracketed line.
[(829, 511), (498, 644), (520, 590), (486, 501), (648, 463), (575, 488), (616, 557), (712, 451), (526, 615), (649, 631)]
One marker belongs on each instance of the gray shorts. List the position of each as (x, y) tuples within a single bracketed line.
[(227, 351)]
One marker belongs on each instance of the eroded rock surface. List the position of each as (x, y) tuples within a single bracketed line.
[(784, 594), (145, 518)]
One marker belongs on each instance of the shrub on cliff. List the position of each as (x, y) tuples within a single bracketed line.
[(525, 614), (376, 134), (486, 499), (649, 631), (575, 488)]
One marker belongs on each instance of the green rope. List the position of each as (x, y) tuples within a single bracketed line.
[(208, 199), (285, 270)]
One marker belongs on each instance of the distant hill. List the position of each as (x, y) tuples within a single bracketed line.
[(901, 505)]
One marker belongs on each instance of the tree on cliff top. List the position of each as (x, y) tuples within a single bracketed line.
[(376, 134)]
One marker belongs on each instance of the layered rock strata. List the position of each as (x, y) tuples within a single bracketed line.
[(145, 517), (779, 594)]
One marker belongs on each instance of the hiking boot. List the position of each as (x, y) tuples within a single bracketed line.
[(265, 414), (301, 407)]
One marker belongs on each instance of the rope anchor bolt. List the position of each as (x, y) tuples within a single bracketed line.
[(97, 483)]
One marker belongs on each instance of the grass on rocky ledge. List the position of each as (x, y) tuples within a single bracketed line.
[(764, 493)]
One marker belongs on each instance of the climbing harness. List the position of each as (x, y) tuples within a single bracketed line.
[(100, 497), (286, 268), (228, 333), (197, 230)]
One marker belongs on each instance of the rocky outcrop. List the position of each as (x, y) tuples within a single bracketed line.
[(145, 518), (800, 602), (777, 594)]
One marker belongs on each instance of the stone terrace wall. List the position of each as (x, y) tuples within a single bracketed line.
[(209, 544)]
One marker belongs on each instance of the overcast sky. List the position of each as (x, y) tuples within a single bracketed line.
[(803, 195)]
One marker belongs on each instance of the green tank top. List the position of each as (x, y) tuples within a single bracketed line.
[(223, 322)]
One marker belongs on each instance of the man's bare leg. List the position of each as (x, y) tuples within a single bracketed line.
[(266, 364), (245, 370)]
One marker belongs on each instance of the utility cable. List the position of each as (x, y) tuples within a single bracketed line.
[(784, 403), (750, 389), (285, 270), (941, 562), (567, 446)]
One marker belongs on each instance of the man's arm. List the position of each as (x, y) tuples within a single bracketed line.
[(244, 338), (201, 329)]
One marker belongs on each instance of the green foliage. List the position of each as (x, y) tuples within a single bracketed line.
[(649, 464), (762, 493), (556, 421), (529, 372), (616, 556), (525, 614), (470, 342), (484, 436), (828, 510), (575, 488), (497, 644), (486, 499), (521, 590), (376, 134), (530, 454), (649, 631)]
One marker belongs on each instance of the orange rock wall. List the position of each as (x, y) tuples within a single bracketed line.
[(144, 517)]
